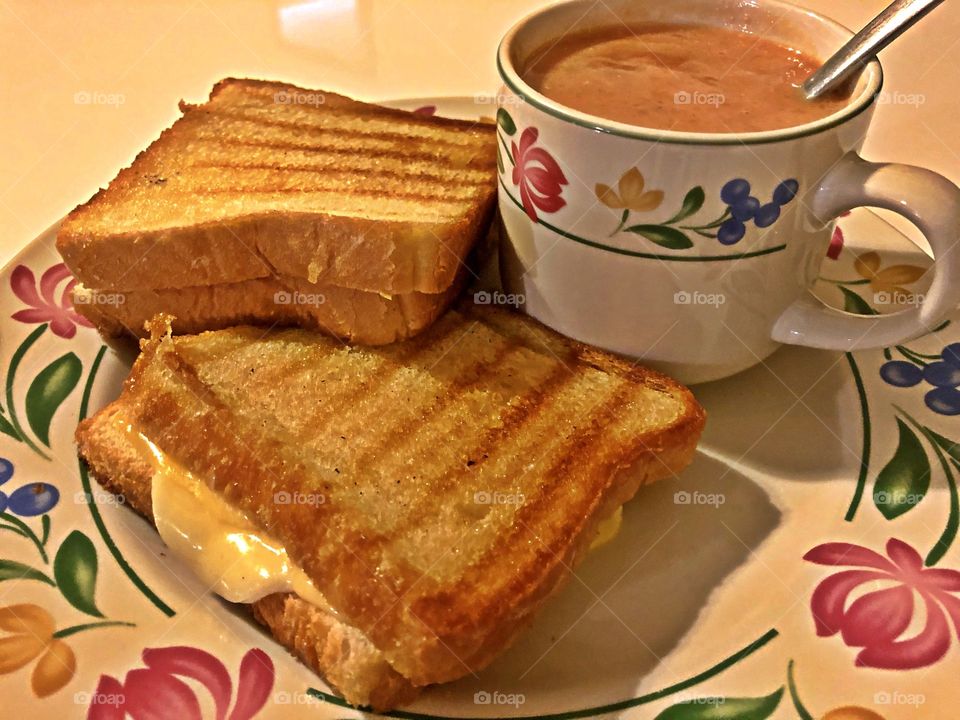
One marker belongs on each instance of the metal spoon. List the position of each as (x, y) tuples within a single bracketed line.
[(863, 46)]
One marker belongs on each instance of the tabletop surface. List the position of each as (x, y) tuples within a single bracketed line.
[(88, 85)]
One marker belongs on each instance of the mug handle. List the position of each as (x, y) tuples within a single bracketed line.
[(929, 201)]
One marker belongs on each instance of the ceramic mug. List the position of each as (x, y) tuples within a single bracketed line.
[(625, 237)]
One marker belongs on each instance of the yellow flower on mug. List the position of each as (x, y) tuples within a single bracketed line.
[(630, 194), (30, 636), (889, 280)]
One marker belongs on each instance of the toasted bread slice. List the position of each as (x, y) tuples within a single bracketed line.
[(330, 647), (354, 315), (268, 178), (465, 471)]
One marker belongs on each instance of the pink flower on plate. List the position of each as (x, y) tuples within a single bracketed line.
[(44, 306), (157, 691), (425, 110), (878, 619), (538, 176)]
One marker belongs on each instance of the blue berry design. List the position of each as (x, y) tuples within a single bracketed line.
[(33, 499), (767, 215), (735, 191), (941, 374), (951, 354), (785, 192), (6, 470), (744, 208), (901, 373), (943, 400), (731, 232)]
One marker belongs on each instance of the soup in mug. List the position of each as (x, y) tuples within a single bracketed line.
[(680, 77)]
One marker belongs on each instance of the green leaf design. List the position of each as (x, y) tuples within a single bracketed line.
[(950, 447), (75, 569), (903, 482), (48, 390), (692, 202), (721, 708), (664, 236), (500, 160), (7, 429), (506, 122), (13, 570), (853, 303)]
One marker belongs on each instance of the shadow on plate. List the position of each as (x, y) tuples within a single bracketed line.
[(795, 416), (631, 602)]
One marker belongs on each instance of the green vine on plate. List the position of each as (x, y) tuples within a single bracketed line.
[(47, 391)]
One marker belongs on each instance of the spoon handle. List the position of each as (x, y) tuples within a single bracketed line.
[(863, 46)]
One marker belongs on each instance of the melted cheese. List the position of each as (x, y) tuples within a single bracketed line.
[(608, 529), (238, 560), (227, 551)]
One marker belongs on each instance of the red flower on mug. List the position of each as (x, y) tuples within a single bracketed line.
[(878, 619), (157, 691), (44, 306), (836, 244), (538, 176)]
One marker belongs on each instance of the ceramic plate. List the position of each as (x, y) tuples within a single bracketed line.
[(806, 562)]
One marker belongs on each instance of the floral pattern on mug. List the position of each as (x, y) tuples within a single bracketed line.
[(157, 690), (630, 193), (537, 174), (44, 307), (878, 620)]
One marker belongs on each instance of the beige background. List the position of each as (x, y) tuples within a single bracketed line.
[(86, 85)]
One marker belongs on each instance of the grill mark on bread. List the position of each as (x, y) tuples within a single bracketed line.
[(379, 377), (479, 372), (471, 140), (432, 157), (403, 176), (473, 157), (513, 419), (353, 192)]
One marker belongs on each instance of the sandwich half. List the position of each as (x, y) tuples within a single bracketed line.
[(268, 187), (430, 495)]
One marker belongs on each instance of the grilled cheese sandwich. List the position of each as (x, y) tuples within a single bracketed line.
[(463, 474)]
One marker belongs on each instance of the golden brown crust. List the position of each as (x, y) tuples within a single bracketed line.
[(400, 439), (341, 654), (285, 235), (354, 315), (350, 663)]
